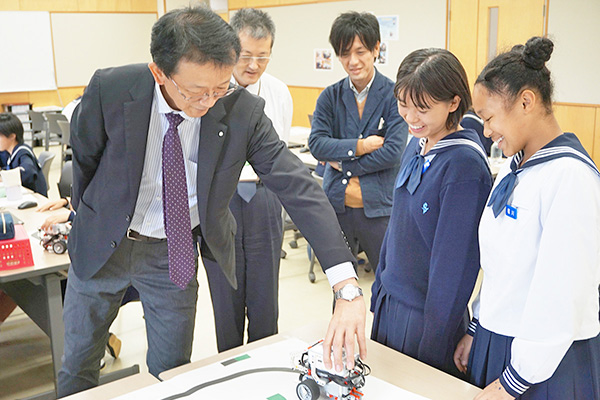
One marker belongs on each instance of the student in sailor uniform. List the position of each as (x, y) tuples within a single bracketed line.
[(430, 258), (20, 155), (536, 318)]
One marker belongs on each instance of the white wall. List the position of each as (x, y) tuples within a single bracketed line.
[(574, 28), (85, 42), (302, 28)]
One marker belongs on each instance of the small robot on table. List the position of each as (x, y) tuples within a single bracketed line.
[(57, 238), (316, 379)]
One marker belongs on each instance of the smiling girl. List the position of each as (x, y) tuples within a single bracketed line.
[(536, 319), (430, 259)]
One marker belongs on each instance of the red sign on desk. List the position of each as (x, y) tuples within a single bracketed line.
[(16, 252)]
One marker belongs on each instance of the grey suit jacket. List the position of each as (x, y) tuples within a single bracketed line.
[(108, 136)]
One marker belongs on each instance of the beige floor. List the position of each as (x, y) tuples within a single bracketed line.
[(25, 361)]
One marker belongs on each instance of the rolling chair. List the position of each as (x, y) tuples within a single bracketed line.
[(65, 150), (38, 127), (45, 159), (66, 180)]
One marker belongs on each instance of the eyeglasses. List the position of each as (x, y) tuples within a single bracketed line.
[(205, 96), (259, 60)]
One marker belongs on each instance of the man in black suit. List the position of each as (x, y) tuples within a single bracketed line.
[(157, 153)]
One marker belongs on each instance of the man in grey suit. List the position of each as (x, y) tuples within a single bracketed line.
[(157, 153)]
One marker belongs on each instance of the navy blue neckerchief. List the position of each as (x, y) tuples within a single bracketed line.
[(417, 165), (566, 145)]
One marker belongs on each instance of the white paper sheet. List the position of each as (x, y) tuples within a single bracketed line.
[(259, 386)]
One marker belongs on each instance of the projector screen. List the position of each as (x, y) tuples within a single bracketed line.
[(27, 62)]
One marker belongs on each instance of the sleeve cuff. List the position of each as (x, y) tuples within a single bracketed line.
[(340, 272), (513, 383), (472, 327), (360, 148)]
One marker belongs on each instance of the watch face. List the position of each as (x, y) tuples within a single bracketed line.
[(349, 292)]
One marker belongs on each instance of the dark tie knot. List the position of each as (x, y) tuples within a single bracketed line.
[(174, 119)]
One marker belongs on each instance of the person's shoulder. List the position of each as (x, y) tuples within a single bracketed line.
[(465, 162), (568, 169), (241, 100), (23, 151), (383, 80), (125, 73), (274, 84)]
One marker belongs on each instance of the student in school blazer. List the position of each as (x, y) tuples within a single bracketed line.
[(105, 189)]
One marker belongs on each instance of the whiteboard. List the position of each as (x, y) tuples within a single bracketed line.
[(27, 64), (85, 42)]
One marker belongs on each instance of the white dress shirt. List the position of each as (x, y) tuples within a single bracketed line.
[(148, 215), (278, 103), (542, 269)]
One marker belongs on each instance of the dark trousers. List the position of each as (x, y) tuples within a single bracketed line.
[(257, 251), (91, 306), (368, 233)]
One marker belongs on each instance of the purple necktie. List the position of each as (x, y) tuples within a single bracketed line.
[(176, 209)]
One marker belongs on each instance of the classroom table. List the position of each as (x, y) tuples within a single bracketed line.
[(37, 289), (115, 389), (386, 364)]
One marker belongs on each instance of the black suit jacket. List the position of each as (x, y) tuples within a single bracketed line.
[(108, 136)]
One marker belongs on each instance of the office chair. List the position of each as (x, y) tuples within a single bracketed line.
[(54, 131), (66, 180), (45, 159), (65, 151), (38, 126)]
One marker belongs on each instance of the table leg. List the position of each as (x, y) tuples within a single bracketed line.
[(42, 302)]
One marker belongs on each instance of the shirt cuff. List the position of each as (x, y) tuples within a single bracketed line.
[(513, 383), (340, 272), (472, 327)]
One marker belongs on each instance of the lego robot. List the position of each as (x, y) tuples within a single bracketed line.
[(315, 379), (57, 238)]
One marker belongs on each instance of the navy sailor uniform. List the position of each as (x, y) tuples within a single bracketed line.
[(536, 320), (32, 177), (430, 258)]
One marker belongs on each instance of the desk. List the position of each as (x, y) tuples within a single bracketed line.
[(115, 389), (37, 290), (386, 364)]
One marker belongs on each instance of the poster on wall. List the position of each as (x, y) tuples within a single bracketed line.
[(382, 58), (388, 26), (323, 59)]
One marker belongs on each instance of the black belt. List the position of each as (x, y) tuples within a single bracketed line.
[(138, 237)]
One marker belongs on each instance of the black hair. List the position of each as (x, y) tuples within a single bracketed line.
[(351, 24), (195, 34), (523, 67), (436, 74), (9, 124), (256, 22)]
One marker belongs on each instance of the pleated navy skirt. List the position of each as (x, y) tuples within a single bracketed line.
[(576, 378), (400, 327)]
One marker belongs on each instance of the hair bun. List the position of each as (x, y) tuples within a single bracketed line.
[(537, 51)]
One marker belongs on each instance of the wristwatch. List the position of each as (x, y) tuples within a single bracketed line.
[(349, 292)]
